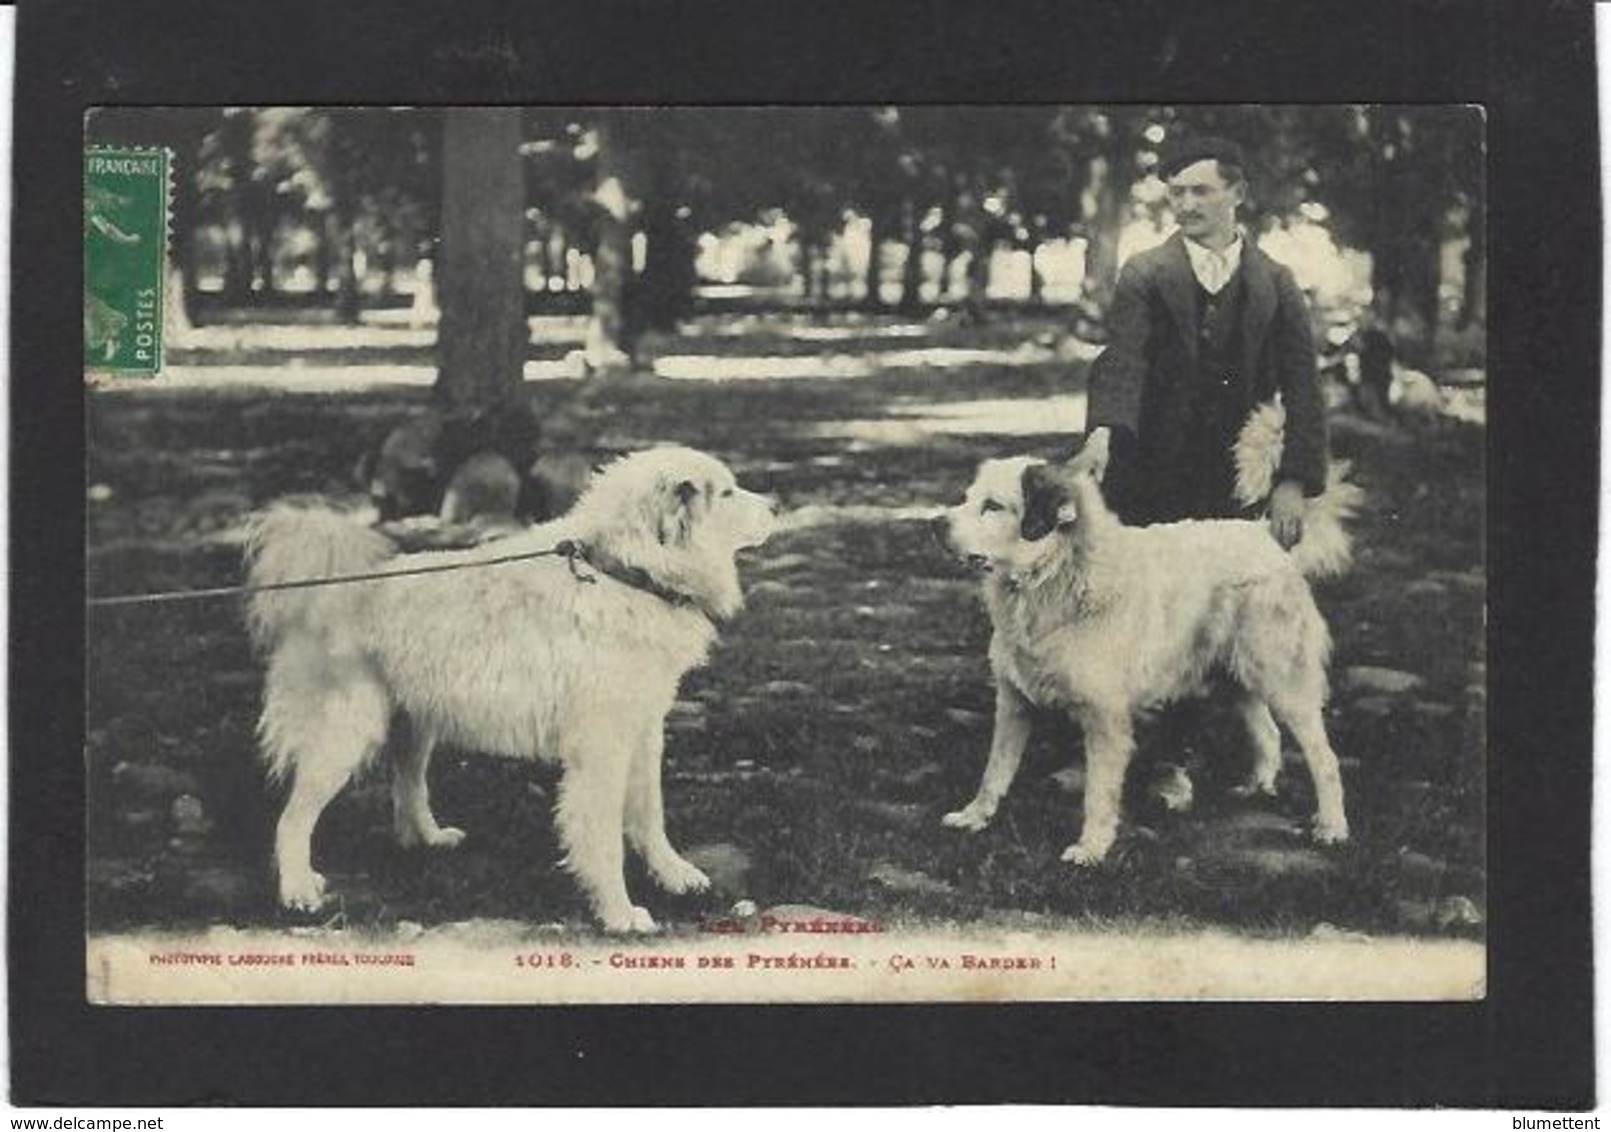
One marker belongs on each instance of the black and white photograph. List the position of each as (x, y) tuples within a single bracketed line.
[(840, 553)]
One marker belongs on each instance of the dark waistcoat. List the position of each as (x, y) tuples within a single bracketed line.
[(1222, 389)]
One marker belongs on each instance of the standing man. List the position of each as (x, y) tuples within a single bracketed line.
[(1203, 329)]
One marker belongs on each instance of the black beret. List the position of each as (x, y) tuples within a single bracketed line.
[(1192, 149)]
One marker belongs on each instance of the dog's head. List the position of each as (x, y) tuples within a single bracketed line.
[(1009, 509), (679, 515)]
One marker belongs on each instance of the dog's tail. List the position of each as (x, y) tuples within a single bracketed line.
[(1326, 548), (1258, 452), (298, 541)]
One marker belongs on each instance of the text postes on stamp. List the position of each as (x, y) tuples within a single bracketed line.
[(125, 251)]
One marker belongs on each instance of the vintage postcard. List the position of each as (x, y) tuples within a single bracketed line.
[(975, 553)]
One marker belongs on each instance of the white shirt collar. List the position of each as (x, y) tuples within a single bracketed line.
[(1214, 269)]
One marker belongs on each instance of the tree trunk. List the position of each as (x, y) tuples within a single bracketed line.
[(562, 260), (973, 235), (609, 336), (1474, 293), (1037, 282), (260, 224), (666, 287), (423, 310), (324, 256), (386, 264), (912, 271), (950, 249), (187, 277), (347, 271), (1405, 279), (238, 266), (808, 269), (814, 257), (263, 257), (176, 323), (813, 245), (481, 340), (974, 311), (1104, 225), (873, 298), (545, 257)]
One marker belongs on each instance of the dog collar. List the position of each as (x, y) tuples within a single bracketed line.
[(581, 558), (1019, 581)]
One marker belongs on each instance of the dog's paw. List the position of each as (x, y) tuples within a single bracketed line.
[(437, 837), (1331, 832), (679, 877), (633, 921), (971, 818), (302, 893), (1083, 855)]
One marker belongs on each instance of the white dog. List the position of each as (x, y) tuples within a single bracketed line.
[(1106, 621), (574, 658)]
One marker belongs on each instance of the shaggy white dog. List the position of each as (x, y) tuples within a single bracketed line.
[(1106, 621), (574, 658)]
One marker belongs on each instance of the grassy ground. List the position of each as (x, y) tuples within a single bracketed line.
[(843, 713)]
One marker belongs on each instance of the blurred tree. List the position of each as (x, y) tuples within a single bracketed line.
[(1468, 169), (232, 196), (881, 184), (561, 214), (762, 164), (1474, 291), (376, 168), (952, 179), (1048, 207), (298, 157), (974, 231), (603, 179), (617, 194), (1011, 181), (1395, 179), (1111, 147), (673, 145), (813, 176), (355, 177), (482, 338)]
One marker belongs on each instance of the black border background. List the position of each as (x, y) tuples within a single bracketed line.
[(1529, 1045)]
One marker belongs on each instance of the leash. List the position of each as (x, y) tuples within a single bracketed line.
[(573, 552)]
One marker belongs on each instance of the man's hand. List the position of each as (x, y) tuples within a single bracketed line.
[(1286, 513), (1092, 458)]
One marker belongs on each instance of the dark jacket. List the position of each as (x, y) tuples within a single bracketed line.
[(1143, 387)]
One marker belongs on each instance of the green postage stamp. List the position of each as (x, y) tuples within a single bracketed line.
[(125, 253)]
